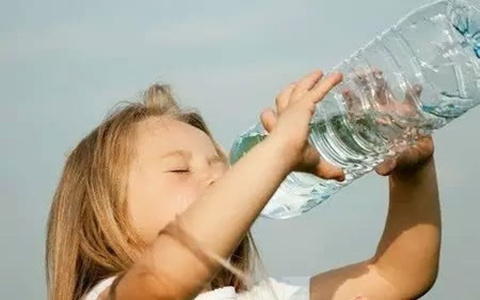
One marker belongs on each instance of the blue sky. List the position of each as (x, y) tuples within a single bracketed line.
[(64, 65)]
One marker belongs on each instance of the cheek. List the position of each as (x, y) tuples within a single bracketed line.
[(157, 204), (183, 199)]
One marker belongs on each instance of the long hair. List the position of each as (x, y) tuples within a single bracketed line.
[(89, 237)]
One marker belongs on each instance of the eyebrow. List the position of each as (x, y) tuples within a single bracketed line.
[(188, 155), (183, 153)]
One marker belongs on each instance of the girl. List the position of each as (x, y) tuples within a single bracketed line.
[(139, 212)]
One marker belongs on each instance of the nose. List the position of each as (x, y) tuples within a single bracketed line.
[(212, 175)]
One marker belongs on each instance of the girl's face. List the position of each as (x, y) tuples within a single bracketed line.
[(174, 164)]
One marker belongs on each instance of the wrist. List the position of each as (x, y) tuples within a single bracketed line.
[(284, 153), (413, 172)]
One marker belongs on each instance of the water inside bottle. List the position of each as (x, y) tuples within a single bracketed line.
[(356, 150), (451, 108)]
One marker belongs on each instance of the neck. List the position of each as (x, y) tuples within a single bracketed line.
[(207, 288)]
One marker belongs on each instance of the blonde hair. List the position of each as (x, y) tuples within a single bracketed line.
[(89, 237)]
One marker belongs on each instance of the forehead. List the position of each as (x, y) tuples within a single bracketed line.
[(163, 134)]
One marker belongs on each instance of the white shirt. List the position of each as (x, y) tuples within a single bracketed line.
[(269, 289)]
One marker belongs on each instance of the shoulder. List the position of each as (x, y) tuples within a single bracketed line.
[(285, 288), (94, 293)]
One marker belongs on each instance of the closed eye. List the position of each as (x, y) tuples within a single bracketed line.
[(180, 171)]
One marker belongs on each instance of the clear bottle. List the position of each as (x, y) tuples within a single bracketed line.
[(412, 79)]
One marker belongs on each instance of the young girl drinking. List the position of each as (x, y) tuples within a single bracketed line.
[(148, 208)]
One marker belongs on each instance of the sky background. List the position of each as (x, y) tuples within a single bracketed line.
[(65, 64)]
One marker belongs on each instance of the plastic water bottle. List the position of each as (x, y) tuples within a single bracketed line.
[(368, 117)]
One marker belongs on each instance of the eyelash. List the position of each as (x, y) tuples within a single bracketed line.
[(180, 171)]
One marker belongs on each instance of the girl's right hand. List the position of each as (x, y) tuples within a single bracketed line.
[(288, 125)]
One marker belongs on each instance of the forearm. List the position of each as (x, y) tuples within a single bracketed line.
[(408, 253), (218, 222)]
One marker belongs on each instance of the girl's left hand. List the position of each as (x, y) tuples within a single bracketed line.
[(373, 83), (416, 156)]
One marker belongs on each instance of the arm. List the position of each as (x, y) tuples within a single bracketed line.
[(169, 270), (220, 219), (405, 264)]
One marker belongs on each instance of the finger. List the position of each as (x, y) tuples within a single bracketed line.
[(410, 105), (323, 87), (381, 88), (417, 154), (347, 96), (305, 85), (363, 82), (373, 85), (387, 167), (314, 164), (329, 171), (426, 141), (412, 95), (282, 99), (269, 119), (352, 102), (359, 76), (377, 86)]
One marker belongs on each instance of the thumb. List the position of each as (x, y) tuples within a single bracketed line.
[(412, 94), (269, 119), (329, 171), (385, 168), (315, 164)]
